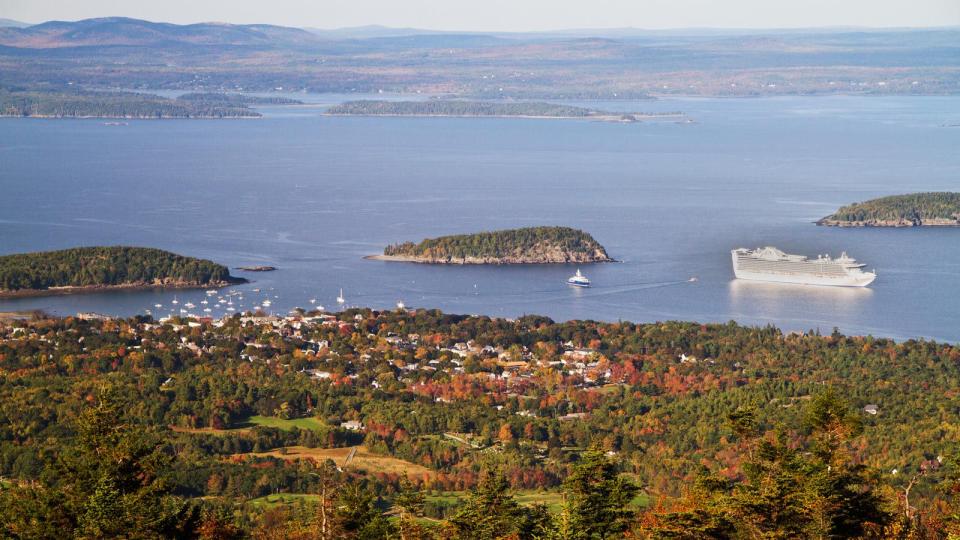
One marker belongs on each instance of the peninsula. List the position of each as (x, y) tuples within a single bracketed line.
[(531, 245), (103, 268), (938, 209), (496, 109)]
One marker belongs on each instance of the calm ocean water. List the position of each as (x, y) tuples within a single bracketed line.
[(312, 195)]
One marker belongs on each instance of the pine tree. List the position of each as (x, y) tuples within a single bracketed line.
[(597, 499)]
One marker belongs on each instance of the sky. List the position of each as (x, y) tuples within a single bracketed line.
[(507, 15)]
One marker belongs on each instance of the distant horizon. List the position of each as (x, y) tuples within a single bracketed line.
[(507, 16), (724, 29)]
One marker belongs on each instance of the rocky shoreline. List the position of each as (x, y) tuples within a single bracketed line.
[(138, 286), (900, 223), (583, 258)]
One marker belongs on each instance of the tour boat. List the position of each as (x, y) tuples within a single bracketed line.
[(579, 280)]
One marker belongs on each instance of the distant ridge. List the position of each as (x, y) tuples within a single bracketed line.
[(136, 32), (10, 23)]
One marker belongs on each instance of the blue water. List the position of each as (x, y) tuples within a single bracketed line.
[(312, 195)]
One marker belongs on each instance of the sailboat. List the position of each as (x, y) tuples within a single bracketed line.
[(340, 299)]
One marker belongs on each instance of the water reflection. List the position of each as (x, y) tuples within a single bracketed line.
[(787, 300)]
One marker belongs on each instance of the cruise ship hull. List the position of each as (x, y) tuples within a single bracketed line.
[(845, 281)]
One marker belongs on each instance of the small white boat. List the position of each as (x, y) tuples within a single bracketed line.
[(693, 280), (189, 305), (266, 303), (256, 290), (340, 299), (313, 300), (579, 280), (204, 302), (211, 292), (231, 309), (320, 308), (207, 310), (158, 306), (400, 305), (175, 301)]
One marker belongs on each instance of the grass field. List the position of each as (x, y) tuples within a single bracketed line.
[(274, 422), (362, 460), (254, 421)]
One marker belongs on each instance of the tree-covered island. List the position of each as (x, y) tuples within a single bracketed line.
[(530, 245), (503, 109), (937, 209), (79, 103), (96, 268)]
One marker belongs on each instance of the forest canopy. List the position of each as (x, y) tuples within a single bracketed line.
[(525, 245), (914, 209), (106, 266)]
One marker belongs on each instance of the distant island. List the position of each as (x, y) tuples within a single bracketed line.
[(79, 103), (939, 209), (531, 245), (507, 109), (260, 268), (98, 268)]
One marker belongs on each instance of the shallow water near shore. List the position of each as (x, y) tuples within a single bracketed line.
[(313, 194)]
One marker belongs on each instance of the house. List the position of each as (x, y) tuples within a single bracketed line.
[(352, 425)]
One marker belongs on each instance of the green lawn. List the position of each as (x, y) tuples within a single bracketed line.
[(283, 498), (274, 422)]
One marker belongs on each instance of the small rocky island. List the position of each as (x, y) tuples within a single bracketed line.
[(105, 268), (494, 109), (531, 245), (937, 209)]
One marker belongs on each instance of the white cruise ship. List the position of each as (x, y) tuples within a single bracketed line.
[(771, 264)]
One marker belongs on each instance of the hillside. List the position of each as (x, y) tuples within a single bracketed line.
[(105, 267), (588, 64), (531, 245), (114, 31), (940, 209), (721, 425)]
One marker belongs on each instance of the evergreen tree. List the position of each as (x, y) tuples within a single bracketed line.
[(597, 499)]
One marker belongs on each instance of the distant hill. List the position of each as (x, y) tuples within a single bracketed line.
[(911, 210), (106, 267), (136, 32), (530, 245), (10, 23)]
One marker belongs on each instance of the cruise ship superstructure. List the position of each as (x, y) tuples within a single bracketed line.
[(771, 264)]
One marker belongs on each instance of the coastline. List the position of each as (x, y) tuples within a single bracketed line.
[(930, 224), (616, 118), (87, 289), (473, 261)]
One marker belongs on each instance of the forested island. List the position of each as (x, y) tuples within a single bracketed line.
[(98, 268), (236, 99), (530, 245), (462, 108), (362, 424), (78, 103), (937, 209)]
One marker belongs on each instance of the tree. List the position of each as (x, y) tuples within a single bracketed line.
[(490, 512), (597, 499), (110, 485), (409, 503)]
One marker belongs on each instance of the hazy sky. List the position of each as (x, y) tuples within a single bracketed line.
[(507, 15)]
